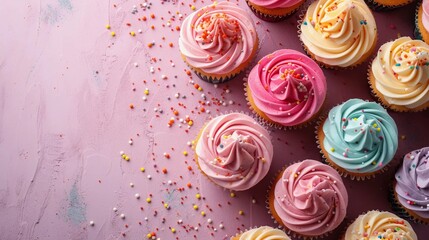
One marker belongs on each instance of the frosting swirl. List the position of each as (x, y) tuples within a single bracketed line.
[(360, 136), (401, 71), (234, 151), (263, 233), (218, 38), (425, 16), (288, 87), (412, 182), (339, 32), (310, 198), (273, 4), (375, 225)]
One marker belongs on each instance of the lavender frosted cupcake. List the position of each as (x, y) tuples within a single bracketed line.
[(411, 187)]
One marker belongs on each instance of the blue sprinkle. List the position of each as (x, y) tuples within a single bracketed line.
[(305, 22)]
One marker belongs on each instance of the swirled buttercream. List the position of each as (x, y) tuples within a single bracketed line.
[(339, 32), (412, 182), (218, 38), (359, 136), (287, 86), (400, 73), (375, 225), (273, 4), (234, 151), (310, 198), (262, 233)]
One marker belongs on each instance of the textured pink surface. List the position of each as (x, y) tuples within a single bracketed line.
[(65, 90)]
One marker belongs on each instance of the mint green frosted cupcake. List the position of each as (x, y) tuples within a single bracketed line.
[(358, 138)]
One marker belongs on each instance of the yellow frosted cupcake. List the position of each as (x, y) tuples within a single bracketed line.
[(399, 75), (339, 33), (262, 233), (380, 225)]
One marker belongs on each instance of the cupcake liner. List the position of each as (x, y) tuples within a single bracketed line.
[(382, 8), (271, 18), (343, 172), (363, 59), (269, 204), (199, 136), (380, 99)]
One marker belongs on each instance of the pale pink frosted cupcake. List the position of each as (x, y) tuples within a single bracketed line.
[(234, 151), (308, 198), (286, 88)]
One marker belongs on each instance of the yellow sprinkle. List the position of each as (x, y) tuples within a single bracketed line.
[(203, 213), (108, 26), (367, 226), (193, 7), (127, 158), (232, 194), (241, 212), (295, 175), (123, 156), (355, 119), (149, 200), (195, 207), (378, 129), (332, 149), (190, 123), (149, 235), (374, 125), (146, 92), (173, 230), (132, 34), (198, 196), (112, 34), (166, 205), (142, 169), (200, 89), (185, 153)]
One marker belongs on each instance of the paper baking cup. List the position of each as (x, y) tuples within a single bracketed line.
[(380, 7), (320, 136), (420, 34)]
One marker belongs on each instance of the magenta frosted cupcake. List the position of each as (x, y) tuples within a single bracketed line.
[(218, 41), (234, 151), (411, 187), (274, 10), (286, 88), (308, 198)]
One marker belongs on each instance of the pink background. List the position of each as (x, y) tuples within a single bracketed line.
[(65, 90)]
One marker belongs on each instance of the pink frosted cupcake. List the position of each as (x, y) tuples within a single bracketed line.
[(274, 10), (286, 88), (218, 41), (309, 199), (234, 151)]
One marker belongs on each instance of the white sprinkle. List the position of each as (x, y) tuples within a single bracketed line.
[(91, 223), (163, 76), (121, 153), (115, 209), (221, 226), (209, 220), (137, 196), (122, 216), (149, 177), (136, 64), (131, 184)]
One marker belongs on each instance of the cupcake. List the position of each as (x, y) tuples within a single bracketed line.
[(358, 138), (411, 187), (262, 233), (218, 41), (274, 10), (399, 75), (309, 199), (338, 33), (234, 151), (379, 225), (422, 21), (382, 5), (286, 88)]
